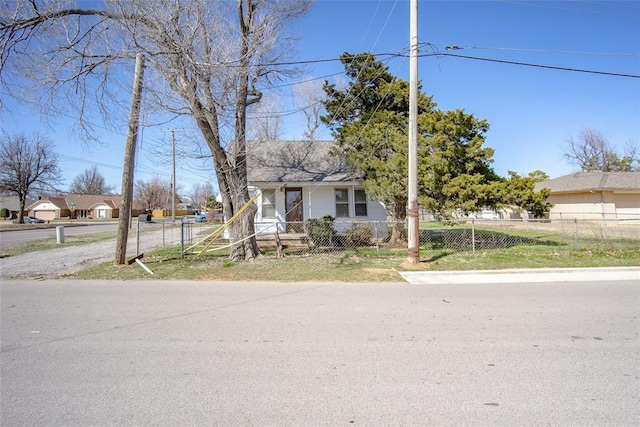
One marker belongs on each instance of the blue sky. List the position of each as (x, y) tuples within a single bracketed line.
[(532, 111)]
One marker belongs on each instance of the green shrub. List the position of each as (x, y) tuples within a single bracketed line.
[(4, 213), (359, 234), (320, 231)]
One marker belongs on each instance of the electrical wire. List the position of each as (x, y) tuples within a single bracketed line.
[(526, 64)]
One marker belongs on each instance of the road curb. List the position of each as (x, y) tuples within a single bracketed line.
[(524, 275)]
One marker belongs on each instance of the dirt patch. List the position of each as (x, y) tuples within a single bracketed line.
[(380, 274), (220, 275), (422, 265)]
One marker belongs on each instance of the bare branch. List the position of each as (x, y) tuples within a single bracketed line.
[(207, 59)]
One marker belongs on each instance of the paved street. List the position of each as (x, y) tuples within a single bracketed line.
[(31, 232), (204, 353)]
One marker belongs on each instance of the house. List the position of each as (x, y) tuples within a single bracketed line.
[(12, 204), (76, 206), (299, 180), (594, 195)]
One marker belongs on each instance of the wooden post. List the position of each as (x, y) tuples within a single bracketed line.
[(279, 253), (173, 172), (129, 163)]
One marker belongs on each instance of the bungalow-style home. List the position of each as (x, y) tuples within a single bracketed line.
[(594, 195), (299, 180), (12, 204), (76, 206)]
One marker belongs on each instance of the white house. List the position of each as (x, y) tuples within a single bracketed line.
[(76, 205), (299, 180)]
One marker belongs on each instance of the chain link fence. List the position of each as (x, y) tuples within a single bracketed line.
[(322, 235)]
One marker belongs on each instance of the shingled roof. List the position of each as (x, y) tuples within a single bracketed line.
[(82, 201), (296, 161), (589, 181)]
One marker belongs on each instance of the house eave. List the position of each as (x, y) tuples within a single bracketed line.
[(285, 184)]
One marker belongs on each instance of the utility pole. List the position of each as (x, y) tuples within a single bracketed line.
[(412, 212), (173, 172), (129, 162)]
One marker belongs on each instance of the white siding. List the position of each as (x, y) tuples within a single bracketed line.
[(268, 225), (319, 201)]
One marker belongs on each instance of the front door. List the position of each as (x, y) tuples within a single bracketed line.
[(294, 216)]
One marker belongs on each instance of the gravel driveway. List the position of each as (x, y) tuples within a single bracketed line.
[(70, 259)]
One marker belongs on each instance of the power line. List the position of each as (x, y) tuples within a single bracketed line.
[(526, 64), (571, 9), (561, 52)]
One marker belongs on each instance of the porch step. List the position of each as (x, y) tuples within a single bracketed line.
[(287, 240)]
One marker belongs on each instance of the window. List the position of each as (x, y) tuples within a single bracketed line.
[(268, 203), (361, 202), (342, 203)]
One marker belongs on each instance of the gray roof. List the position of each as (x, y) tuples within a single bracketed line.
[(296, 161), (82, 201), (12, 203), (585, 181)]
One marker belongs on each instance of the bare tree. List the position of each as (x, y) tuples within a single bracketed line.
[(152, 194), (201, 194), (90, 181), (210, 59), (27, 162), (309, 96), (591, 151), (264, 122)]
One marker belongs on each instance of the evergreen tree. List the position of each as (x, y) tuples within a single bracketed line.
[(369, 120)]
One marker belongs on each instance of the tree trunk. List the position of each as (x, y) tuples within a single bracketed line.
[(398, 230), (246, 248), (242, 230), (22, 201), (235, 194)]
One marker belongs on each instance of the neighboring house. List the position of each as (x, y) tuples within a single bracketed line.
[(594, 195), (299, 180), (12, 204), (76, 206)]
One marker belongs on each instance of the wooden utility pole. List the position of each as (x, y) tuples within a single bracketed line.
[(173, 172), (412, 211), (129, 163)]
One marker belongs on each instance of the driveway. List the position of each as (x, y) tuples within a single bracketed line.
[(70, 259)]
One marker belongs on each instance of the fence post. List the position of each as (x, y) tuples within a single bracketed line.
[(604, 229), (375, 227), (473, 235), (575, 234), (182, 231), (138, 239), (162, 234)]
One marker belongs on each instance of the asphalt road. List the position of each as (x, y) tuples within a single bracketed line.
[(204, 353), (39, 232)]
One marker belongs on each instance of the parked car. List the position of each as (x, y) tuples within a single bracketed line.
[(201, 217), (30, 220)]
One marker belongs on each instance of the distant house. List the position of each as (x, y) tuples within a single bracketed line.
[(299, 180), (76, 206), (12, 204), (594, 195)]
